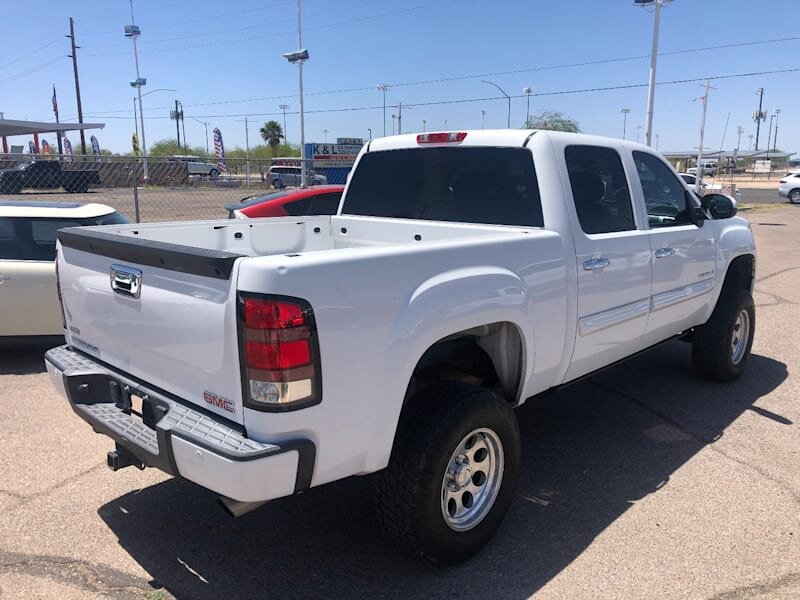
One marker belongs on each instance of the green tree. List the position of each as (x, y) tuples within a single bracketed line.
[(272, 133), (554, 121), (170, 147)]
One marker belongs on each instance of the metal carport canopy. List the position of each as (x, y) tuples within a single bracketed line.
[(12, 127)]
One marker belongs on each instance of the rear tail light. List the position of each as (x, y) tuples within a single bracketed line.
[(279, 353), (451, 137)]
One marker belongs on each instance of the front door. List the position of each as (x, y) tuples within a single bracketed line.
[(684, 252)]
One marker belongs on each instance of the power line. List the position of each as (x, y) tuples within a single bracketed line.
[(478, 75), (485, 99), (55, 41), (32, 70)]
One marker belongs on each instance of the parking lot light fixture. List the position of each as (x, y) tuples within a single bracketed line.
[(384, 87), (528, 91), (299, 57), (502, 91), (625, 112), (651, 87)]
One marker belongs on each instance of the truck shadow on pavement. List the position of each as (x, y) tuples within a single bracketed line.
[(589, 452)]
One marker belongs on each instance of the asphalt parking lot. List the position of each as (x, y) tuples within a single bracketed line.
[(641, 482)]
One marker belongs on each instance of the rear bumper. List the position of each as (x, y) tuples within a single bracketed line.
[(176, 438)]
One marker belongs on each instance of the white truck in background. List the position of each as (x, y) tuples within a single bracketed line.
[(464, 273)]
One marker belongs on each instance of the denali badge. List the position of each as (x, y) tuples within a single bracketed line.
[(126, 280)]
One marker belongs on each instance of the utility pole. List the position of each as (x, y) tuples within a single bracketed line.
[(384, 87), (399, 118), (699, 171), (177, 116), (759, 115), (74, 58), (775, 139), (284, 108)]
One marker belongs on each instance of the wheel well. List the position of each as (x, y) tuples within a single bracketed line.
[(489, 356), (741, 273)]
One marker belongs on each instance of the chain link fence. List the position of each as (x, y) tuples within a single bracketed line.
[(173, 189)]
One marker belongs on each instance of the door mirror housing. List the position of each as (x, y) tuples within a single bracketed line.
[(719, 206)]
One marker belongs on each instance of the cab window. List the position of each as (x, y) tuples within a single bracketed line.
[(664, 195)]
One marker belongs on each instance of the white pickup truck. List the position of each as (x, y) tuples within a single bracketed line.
[(464, 273)]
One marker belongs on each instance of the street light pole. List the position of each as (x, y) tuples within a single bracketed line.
[(300, 56), (759, 115), (502, 91), (384, 87), (698, 174), (483, 119), (775, 139), (133, 32), (203, 123), (651, 87), (624, 112)]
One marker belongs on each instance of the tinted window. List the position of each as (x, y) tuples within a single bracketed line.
[(325, 204), (298, 207), (35, 239), (599, 189), (664, 195), (469, 185)]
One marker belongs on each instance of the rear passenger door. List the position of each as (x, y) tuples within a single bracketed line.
[(613, 259), (683, 251)]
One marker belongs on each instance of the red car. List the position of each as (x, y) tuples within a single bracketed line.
[(317, 200)]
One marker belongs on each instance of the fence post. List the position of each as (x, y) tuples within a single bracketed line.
[(135, 179)]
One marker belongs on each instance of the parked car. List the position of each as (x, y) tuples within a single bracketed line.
[(28, 298), (319, 200), (464, 273), (281, 176), (706, 188), (708, 168), (46, 174), (789, 187)]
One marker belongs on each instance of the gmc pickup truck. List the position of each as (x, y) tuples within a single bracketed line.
[(464, 273)]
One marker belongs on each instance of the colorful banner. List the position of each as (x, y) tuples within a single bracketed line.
[(46, 147), (68, 156), (135, 144), (95, 148), (31, 147), (219, 150)]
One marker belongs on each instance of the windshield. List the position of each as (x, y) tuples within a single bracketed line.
[(463, 184), (25, 238)]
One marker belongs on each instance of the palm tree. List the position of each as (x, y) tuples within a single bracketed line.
[(272, 133)]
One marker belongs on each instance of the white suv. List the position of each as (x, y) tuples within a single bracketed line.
[(28, 297), (280, 177), (789, 187)]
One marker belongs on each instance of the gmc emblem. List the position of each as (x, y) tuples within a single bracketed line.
[(219, 402)]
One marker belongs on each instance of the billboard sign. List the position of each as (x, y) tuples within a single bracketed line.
[(334, 155)]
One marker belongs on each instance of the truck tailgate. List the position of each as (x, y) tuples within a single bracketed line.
[(169, 310)]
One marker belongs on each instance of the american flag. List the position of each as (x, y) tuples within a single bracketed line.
[(219, 150), (55, 103)]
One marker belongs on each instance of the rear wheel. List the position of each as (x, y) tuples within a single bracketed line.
[(277, 184), (721, 347), (213, 173), (451, 476), (794, 196)]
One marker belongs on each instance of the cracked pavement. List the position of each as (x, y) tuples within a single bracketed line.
[(641, 482)]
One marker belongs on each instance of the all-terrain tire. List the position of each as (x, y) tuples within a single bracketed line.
[(410, 500), (721, 347)]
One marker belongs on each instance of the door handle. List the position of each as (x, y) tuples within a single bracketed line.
[(664, 252), (596, 264)]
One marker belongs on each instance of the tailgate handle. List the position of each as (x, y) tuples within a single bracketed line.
[(126, 281)]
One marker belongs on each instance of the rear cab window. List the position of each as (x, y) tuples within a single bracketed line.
[(488, 185)]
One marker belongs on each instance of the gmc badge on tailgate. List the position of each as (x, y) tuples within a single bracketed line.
[(126, 280)]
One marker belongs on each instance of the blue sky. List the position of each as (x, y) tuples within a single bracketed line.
[(225, 60)]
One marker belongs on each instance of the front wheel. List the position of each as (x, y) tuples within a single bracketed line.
[(721, 347), (213, 173), (277, 184), (451, 475)]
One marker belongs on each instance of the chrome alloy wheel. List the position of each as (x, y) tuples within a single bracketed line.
[(472, 480), (741, 334)]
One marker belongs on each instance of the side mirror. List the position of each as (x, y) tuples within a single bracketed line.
[(719, 206)]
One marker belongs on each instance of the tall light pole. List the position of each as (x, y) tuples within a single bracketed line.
[(528, 90), (759, 115), (769, 135), (651, 87), (624, 112), (698, 175), (393, 121), (370, 133), (284, 108), (638, 132), (775, 139), (300, 56), (502, 91), (483, 119), (325, 133), (384, 87), (658, 137), (204, 124), (133, 32), (750, 137), (141, 117), (424, 123)]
